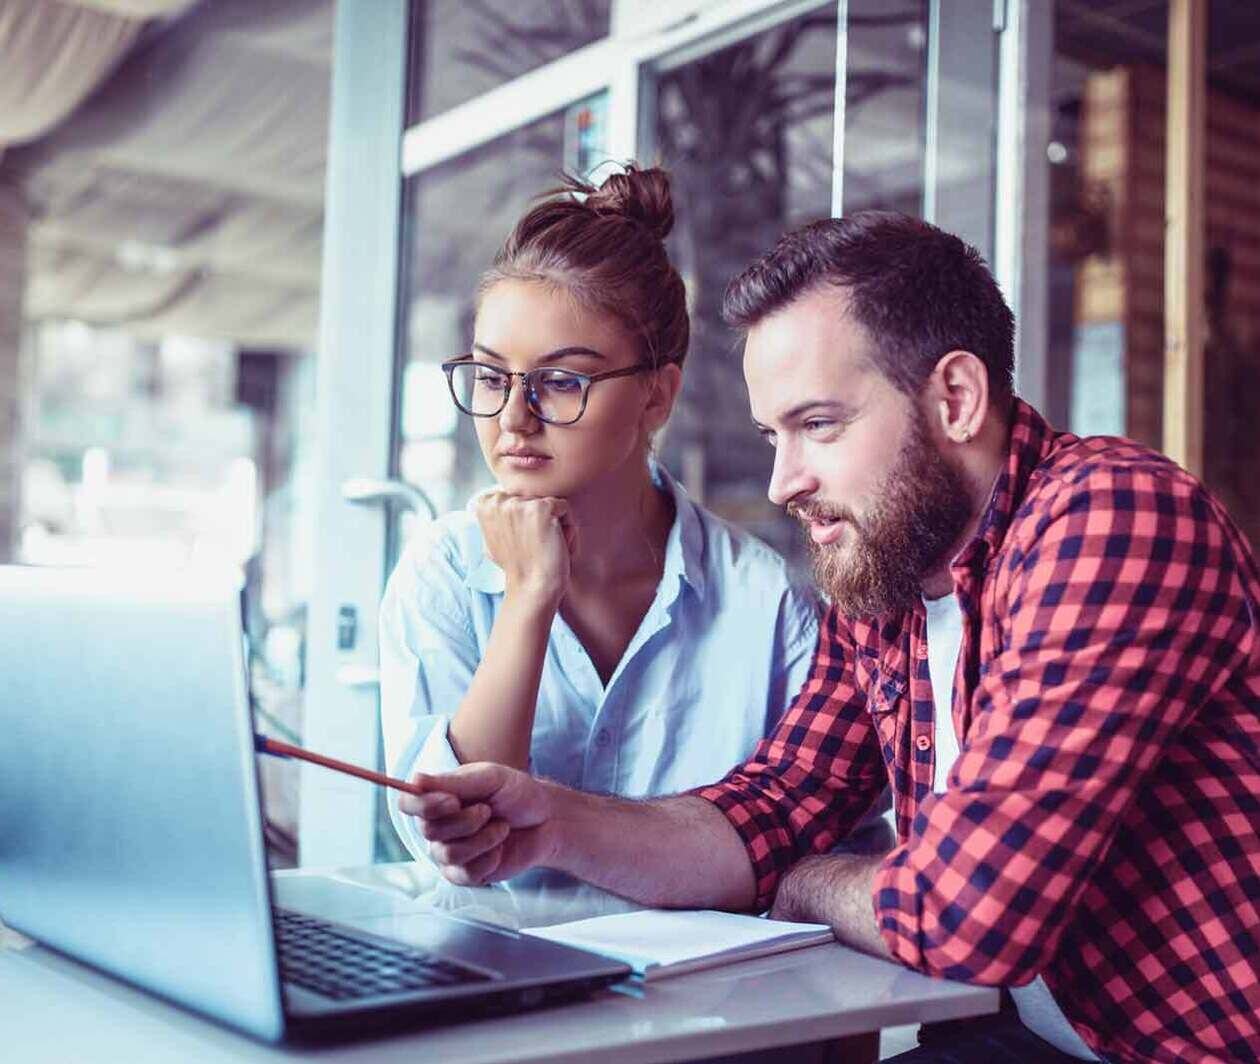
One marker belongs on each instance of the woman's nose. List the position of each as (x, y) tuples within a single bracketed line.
[(516, 415)]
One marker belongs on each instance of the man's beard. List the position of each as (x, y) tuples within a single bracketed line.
[(920, 510)]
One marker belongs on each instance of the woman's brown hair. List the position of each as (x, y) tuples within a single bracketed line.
[(605, 246)]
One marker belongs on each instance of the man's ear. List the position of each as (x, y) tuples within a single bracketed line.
[(960, 385), (665, 385)]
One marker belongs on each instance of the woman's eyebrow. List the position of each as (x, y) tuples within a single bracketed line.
[(549, 357), (562, 351)]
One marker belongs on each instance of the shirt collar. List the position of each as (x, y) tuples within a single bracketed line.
[(1031, 439), (684, 547)]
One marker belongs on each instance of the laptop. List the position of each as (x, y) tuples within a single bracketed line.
[(131, 831)]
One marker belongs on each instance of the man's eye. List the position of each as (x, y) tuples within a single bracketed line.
[(819, 424)]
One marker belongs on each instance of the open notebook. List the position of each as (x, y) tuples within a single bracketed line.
[(661, 942)]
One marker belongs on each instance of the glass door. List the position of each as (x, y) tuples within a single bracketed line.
[(739, 99)]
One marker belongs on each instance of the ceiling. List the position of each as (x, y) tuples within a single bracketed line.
[(1110, 31), (185, 195)]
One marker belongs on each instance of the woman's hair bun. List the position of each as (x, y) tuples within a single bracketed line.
[(641, 195)]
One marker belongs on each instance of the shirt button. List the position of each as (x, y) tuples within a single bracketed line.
[(923, 742), (602, 738)]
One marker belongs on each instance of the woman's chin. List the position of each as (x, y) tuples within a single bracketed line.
[(528, 482)]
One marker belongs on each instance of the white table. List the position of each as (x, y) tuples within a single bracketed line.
[(52, 1009)]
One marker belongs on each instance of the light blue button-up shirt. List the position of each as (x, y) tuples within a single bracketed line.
[(722, 650)]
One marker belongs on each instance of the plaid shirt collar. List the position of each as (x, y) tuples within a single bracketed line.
[(1031, 439)]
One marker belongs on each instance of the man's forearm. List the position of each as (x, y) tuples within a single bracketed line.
[(669, 852), (836, 890)]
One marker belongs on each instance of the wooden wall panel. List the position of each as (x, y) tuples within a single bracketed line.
[(1122, 151)]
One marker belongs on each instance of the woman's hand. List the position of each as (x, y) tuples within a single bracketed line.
[(532, 540)]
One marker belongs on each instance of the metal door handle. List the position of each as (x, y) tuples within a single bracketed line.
[(367, 491), (358, 676)]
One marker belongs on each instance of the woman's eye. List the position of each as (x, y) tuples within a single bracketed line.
[(562, 385), (494, 381)]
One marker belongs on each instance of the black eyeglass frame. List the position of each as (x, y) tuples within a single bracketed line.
[(531, 397)]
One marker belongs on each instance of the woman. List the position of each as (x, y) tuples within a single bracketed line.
[(585, 619)]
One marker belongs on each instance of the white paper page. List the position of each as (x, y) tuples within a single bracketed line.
[(669, 936)]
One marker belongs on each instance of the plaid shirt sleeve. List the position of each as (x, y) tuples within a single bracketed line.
[(1120, 610), (806, 786)]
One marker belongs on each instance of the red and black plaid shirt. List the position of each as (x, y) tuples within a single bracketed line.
[(1100, 827)]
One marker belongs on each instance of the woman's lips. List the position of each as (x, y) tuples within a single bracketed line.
[(524, 460)]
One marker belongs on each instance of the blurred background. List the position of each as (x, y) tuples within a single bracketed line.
[(237, 238)]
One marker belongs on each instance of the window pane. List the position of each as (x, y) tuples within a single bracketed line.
[(464, 48), (884, 102), (747, 134)]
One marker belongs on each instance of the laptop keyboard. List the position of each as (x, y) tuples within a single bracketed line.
[(339, 963)]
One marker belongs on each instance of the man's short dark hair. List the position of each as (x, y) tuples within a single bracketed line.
[(918, 291)]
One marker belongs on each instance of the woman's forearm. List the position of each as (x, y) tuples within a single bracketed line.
[(495, 720)]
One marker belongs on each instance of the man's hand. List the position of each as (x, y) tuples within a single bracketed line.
[(488, 822), (836, 890), (485, 822)]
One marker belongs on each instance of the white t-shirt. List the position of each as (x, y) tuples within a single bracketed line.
[(1037, 1008)]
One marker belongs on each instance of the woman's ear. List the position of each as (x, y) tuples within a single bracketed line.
[(664, 385)]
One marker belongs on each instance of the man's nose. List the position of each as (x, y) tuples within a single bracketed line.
[(789, 478), (516, 416)]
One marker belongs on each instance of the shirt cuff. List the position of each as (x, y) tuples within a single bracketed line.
[(756, 821), (896, 897), (435, 755)]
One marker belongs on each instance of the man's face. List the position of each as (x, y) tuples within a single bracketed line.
[(855, 459)]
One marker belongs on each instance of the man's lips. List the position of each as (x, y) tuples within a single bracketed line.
[(826, 530), (823, 527)]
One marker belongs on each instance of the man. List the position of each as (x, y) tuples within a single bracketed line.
[(1050, 645)]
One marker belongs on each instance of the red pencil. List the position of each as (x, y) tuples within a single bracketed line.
[(278, 749)]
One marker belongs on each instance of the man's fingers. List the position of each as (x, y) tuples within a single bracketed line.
[(477, 872), (469, 783), (462, 851), (462, 824), (463, 877), (482, 869), (432, 805)]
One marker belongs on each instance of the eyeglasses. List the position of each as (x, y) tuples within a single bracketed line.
[(556, 396)]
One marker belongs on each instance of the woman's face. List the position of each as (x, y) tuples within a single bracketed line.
[(524, 325)]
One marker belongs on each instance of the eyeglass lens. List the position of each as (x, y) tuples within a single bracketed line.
[(553, 394)]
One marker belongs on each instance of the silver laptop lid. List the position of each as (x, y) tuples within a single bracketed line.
[(130, 833)]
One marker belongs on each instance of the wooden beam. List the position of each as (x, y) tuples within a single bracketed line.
[(1184, 233)]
